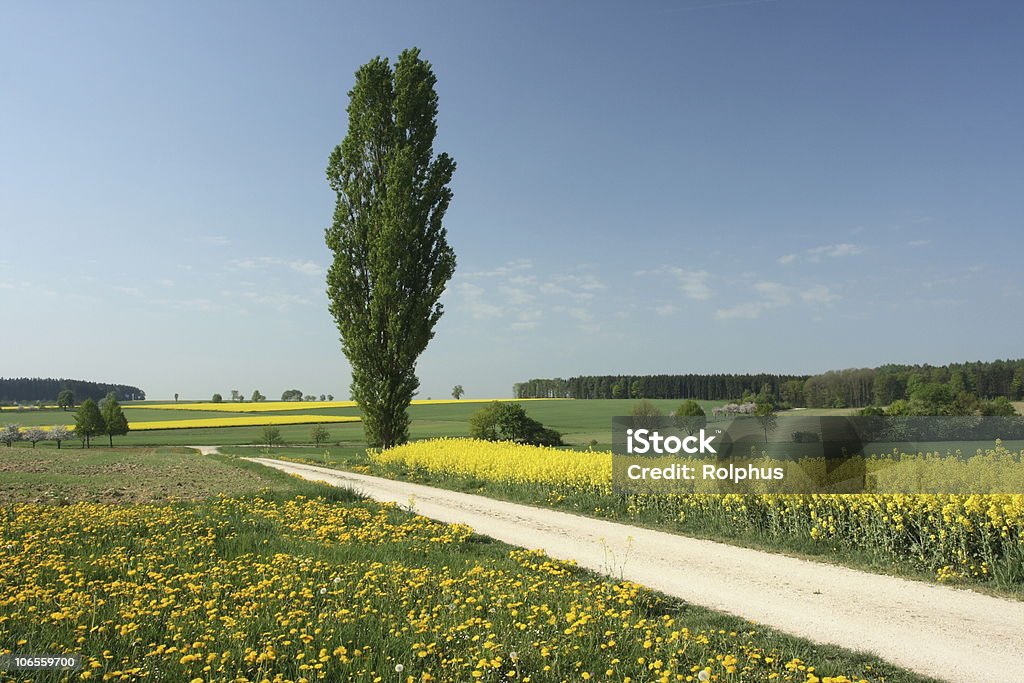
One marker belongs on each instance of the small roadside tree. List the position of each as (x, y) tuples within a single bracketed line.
[(509, 422), (66, 399), (690, 417), (645, 415), (175, 397), (319, 434), (330, 397), (88, 422), (33, 435), (765, 413), (257, 396), (457, 392), (236, 395), (271, 436), (291, 395), (10, 433), (114, 421), (58, 433), (216, 398), (323, 397)]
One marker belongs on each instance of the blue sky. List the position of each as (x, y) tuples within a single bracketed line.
[(695, 186)]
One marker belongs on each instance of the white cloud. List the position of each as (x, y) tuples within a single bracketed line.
[(280, 301), (833, 251), (919, 243), (306, 267), (818, 294), (473, 299), (201, 305), (516, 266), (748, 310), (516, 296), (767, 295), (298, 265), (774, 294), (665, 310), (521, 297), (816, 254), (215, 240), (693, 283)]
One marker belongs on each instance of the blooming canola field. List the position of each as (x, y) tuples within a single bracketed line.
[(281, 406), (234, 421), (951, 537)]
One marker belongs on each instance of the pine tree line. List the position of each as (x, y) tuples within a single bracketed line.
[(852, 388), (14, 389)]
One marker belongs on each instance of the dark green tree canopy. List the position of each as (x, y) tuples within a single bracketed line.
[(66, 399), (392, 260), (114, 421), (499, 421), (88, 421)]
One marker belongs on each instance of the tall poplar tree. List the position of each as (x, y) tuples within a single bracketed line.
[(391, 254)]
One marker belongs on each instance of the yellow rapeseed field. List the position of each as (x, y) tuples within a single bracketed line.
[(280, 406), (303, 590), (235, 421), (954, 537)]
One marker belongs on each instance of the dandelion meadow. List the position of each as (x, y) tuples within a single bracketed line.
[(264, 588)]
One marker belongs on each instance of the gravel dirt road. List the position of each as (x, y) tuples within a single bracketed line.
[(946, 633)]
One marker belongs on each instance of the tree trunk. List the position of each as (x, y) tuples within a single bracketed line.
[(111, 437)]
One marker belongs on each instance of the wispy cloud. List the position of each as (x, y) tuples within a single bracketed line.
[(520, 297), (766, 296), (198, 304), (817, 254), (692, 283), (833, 251), (818, 294), (214, 240), (279, 301), (474, 299), (301, 266), (919, 243)]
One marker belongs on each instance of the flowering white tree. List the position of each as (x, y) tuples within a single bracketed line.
[(58, 433), (9, 434), (33, 435)]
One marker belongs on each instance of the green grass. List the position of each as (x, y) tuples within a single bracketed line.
[(579, 421)]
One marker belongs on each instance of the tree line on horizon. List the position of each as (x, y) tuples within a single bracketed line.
[(851, 388), (14, 389)]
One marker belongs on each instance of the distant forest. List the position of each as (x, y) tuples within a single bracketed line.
[(17, 389), (855, 388)]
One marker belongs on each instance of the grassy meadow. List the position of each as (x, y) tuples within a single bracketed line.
[(579, 421), (247, 574)]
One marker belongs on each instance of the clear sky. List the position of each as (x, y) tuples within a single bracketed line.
[(690, 186)]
